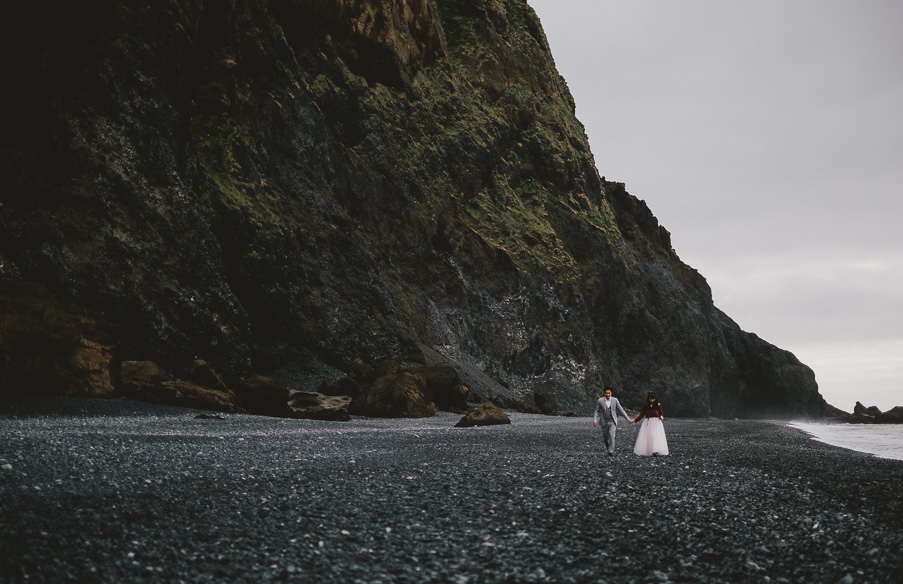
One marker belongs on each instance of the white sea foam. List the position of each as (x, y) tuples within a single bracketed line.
[(882, 440)]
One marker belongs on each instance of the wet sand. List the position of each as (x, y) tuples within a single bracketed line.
[(120, 491)]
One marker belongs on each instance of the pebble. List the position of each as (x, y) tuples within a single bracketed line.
[(484, 499)]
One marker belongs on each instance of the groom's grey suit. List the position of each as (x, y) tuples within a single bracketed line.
[(608, 415)]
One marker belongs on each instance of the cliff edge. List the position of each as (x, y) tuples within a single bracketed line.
[(288, 187)]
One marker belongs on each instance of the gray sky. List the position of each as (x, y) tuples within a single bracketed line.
[(767, 137)]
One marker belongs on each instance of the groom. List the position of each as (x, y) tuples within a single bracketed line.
[(607, 409)]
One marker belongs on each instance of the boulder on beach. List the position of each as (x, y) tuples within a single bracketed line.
[(200, 372), (344, 386), (444, 387), (136, 376), (402, 395), (310, 405), (51, 346), (265, 396), (546, 403), (187, 394), (486, 414)]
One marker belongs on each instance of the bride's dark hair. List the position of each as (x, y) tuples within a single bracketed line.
[(651, 396)]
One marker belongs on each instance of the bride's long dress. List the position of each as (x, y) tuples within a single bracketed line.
[(651, 438)]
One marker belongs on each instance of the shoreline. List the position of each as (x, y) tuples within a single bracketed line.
[(103, 491)]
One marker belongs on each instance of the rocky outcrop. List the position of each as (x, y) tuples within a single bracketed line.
[(487, 414), (866, 415), (197, 386), (137, 376), (316, 406), (546, 403), (288, 188), (186, 394), (444, 387), (49, 345), (401, 395), (869, 415), (265, 396), (892, 416)]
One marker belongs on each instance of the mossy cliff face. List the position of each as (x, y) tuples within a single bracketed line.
[(288, 187)]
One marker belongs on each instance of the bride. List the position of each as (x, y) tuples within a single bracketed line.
[(651, 439)]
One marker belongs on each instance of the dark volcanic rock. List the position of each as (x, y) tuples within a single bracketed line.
[(487, 414), (136, 376), (444, 387), (402, 395), (546, 403), (299, 186), (200, 372), (316, 406), (892, 416), (189, 395), (344, 386), (735, 502), (49, 345), (265, 396), (836, 413)]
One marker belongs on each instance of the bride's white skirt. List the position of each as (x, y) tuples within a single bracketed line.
[(651, 438)]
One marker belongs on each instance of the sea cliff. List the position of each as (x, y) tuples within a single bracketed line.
[(292, 187)]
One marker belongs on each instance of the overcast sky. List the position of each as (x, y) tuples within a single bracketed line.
[(767, 137)]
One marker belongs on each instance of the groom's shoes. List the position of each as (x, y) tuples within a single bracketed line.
[(611, 453)]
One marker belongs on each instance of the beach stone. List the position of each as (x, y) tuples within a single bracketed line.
[(201, 373), (402, 395), (4, 465), (265, 396), (486, 414), (190, 395), (444, 387), (848, 579), (135, 375), (345, 386), (210, 417), (50, 346), (310, 405)]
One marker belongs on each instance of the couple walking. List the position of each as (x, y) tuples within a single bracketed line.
[(651, 439)]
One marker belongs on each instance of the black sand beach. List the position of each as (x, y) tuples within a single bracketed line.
[(119, 491)]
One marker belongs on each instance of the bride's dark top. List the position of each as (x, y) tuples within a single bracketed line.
[(650, 412)]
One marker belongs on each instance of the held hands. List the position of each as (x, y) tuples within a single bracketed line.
[(595, 424)]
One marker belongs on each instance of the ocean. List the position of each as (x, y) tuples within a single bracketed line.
[(882, 440)]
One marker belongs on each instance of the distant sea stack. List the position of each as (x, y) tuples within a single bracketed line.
[(289, 188)]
